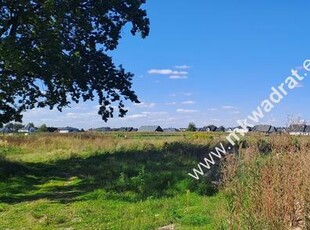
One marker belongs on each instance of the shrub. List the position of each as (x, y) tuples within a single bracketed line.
[(268, 192), (264, 146), (191, 127), (296, 144)]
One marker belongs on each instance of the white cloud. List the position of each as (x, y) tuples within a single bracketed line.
[(160, 71), (188, 102), (145, 105), (182, 67), (187, 111), (167, 72), (162, 113), (180, 72), (177, 77), (213, 109), (171, 103), (228, 107), (188, 94), (142, 117), (71, 114), (135, 116), (155, 113)]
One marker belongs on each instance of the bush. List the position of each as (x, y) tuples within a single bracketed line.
[(296, 144), (191, 127), (264, 146)]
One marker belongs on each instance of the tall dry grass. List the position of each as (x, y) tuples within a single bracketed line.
[(49, 147), (269, 190)]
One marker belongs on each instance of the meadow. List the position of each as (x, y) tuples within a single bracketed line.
[(140, 181)]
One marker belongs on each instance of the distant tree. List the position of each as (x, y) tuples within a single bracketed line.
[(43, 128), (191, 127), (14, 126), (31, 125), (53, 53), (292, 120), (9, 126)]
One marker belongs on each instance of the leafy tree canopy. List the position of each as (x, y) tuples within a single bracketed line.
[(191, 127), (14, 126), (53, 52), (43, 128)]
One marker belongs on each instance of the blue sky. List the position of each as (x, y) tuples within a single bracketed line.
[(208, 62)]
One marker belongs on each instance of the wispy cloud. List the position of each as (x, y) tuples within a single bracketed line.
[(182, 67), (171, 103), (70, 114), (177, 77), (145, 105), (188, 94), (188, 102), (228, 107), (187, 111), (167, 72), (135, 116), (173, 74), (145, 115), (155, 113)]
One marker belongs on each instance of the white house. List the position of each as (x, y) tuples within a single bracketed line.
[(68, 130), (297, 130)]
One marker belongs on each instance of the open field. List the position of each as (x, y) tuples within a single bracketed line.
[(140, 181)]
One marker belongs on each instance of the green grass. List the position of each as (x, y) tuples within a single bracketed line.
[(105, 182), (97, 210)]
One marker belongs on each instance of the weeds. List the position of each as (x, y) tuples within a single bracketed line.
[(269, 192), (95, 181)]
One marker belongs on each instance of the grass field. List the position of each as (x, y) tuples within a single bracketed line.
[(140, 181)]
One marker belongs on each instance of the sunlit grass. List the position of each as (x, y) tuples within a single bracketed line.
[(105, 182)]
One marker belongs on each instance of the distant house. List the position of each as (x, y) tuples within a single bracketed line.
[(212, 128), (125, 129), (102, 129), (183, 129), (246, 130), (297, 129), (229, 130), (5, 130), (27, 129), (281, 130), (150, 129), (307, 130), (209, 128), (267, 129), (220, 129), (171, 130), (68, 130), (51, 129)]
